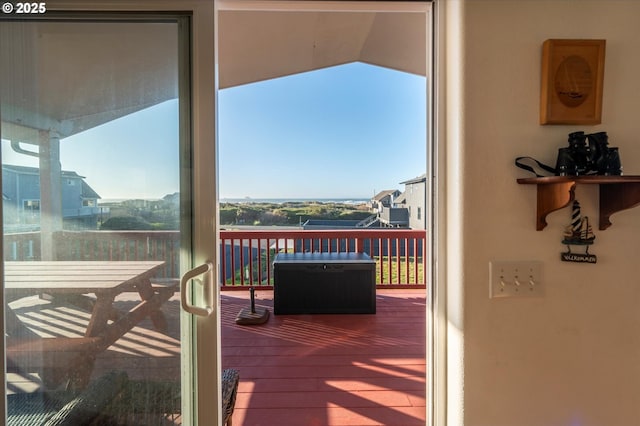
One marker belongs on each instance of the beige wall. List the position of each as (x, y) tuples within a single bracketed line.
[(573, 356)]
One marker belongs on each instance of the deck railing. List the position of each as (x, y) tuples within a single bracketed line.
[(101, 245), (246, 257)]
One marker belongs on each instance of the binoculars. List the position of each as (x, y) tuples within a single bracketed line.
[(588, 155)]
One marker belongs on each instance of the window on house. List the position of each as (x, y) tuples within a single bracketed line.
[(419, 214), (88, 203), (31, 205)]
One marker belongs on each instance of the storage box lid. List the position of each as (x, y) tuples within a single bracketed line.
[(323, 258)]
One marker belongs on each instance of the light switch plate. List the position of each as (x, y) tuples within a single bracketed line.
[(515, 279)]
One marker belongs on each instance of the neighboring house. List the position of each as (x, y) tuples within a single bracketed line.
[(384, 199), (21, 199), (173, 199), (388, 215), (414, 199), (394, 209)]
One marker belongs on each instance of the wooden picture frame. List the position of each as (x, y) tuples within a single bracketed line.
[(572, 77)]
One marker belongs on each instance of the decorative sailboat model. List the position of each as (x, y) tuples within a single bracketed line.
[(580, 233)]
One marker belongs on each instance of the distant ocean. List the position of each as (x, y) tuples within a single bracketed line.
[(353, 201), (295, 200)]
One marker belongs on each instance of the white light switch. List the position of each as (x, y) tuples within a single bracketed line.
[(515, 279)]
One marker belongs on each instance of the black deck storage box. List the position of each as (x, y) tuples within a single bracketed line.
[(324, 283)]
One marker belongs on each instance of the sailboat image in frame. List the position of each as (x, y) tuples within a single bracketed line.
[(579, 233)]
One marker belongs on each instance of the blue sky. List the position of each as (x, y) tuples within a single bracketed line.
[(133, 157), (341, 132)]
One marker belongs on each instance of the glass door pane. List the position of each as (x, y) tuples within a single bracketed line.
[(91, 165)]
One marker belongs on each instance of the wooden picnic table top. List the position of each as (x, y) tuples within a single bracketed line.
[(77, 276), (74, 357)]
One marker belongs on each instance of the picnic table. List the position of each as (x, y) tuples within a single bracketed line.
[(92, 285)]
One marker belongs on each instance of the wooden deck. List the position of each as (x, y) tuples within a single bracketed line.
[(302, 370), (329, 369)]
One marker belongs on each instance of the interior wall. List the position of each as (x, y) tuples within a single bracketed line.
[(571, 357)]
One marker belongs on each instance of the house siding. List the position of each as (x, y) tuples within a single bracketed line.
[(20, 184), (415, 194)]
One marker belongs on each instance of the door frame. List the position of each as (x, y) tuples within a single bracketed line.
[(205, 207)]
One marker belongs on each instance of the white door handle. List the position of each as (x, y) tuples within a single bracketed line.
[(205, 269)]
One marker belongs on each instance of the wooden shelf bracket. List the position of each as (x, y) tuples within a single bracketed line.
[(556, 192), (614, 198), (553, 197)]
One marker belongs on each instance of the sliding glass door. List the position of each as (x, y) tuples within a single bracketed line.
[(99, 210)]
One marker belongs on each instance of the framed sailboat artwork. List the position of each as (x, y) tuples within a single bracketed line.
[(572, 80)]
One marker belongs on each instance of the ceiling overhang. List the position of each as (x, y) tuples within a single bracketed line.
[(70, 77), (258, 45)]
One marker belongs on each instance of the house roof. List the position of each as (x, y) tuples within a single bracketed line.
[(36, 171), (383, 194), (400, 198), (87, 191), (421, 178)]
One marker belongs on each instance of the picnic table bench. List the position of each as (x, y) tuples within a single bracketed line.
[(72, 358)]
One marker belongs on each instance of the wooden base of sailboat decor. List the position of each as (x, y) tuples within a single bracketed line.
[(579, 233), (585, 257)]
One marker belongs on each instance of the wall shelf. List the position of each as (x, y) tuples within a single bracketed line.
[(555, 192)]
